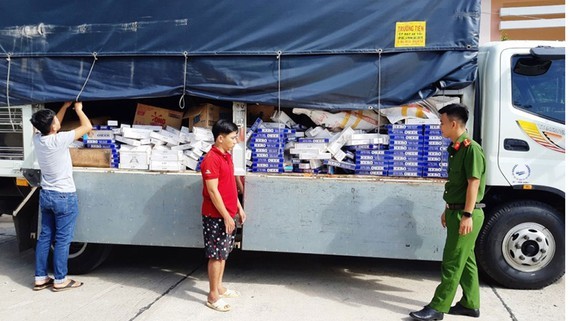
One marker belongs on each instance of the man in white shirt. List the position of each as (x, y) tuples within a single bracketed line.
[(58, 199)]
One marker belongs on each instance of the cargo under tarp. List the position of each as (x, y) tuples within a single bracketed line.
[(329, 54)]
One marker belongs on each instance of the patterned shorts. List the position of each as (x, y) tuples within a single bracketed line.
[(217, 243)]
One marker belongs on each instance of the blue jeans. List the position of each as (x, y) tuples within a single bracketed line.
[(59, 213)]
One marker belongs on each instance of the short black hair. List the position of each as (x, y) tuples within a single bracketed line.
[(42, 120), (458, 112), (223, 127)]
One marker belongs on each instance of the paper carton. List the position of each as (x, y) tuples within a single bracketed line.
[(206, 115), (150, 115), (263, 112), (87, 157)]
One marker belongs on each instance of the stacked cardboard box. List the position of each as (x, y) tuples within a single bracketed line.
[(267, 144), (408, 150), (373, 159), (436, 152), (103, 137)]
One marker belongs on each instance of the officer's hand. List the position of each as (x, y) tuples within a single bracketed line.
[(443, 223), (466, 225)]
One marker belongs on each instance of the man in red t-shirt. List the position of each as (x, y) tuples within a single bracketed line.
[(219, 209)]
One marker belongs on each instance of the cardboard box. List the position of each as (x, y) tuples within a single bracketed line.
[(206, 115), (263, 112), (87, 157), (150, 115)]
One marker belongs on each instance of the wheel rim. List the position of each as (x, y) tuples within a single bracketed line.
[(529, 247), (76, 249)]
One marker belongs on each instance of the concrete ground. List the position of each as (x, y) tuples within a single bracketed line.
[(142, 283)]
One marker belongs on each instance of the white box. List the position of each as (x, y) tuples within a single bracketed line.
[(340, 155), (182, 147), (282, 117), (166, 155), (307, 150), (420, 121), (315, 163), (315, 156), (134, 159), (166, 165), (206, 147), (312, 132), (153, 128), (190, 162), (136, 133), (128, 141), (194, 153), (113, 123), (310, 145), (101, 134), (340, 140), (164, 137), (133, 166), (160, 147), (201, 133), (155, 141)]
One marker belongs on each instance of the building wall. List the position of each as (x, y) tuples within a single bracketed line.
[(528, 23)]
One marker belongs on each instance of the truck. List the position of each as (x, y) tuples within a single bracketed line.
[(366, 55)]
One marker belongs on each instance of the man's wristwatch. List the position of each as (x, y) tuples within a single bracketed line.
[(467, 214)]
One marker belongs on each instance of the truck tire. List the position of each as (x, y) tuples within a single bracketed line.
[(85, 257), (521, 246)]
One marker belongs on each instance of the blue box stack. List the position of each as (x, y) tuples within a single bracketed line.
[(104, 143), (267, 148), (409, 150), (200, 163), (436, 152), (372, 159)]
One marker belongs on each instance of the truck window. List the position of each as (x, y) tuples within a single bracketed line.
[(11, 144), (538, 86)]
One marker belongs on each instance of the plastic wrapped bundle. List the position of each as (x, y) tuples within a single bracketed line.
[(362, 119)]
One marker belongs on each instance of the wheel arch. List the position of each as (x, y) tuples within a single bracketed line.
[(496, 196)]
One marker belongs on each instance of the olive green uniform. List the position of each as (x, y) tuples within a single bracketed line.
[(466, 160)]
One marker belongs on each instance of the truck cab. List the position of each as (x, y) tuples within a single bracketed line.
[(521, 118)]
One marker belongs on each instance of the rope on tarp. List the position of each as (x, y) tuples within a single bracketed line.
[(9, 59), (182, 101), (94, 54), (379, 103), (279, 52)]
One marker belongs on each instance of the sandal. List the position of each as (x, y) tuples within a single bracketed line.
[(45, 285), (71, 285), (220, 305), (230, 294)]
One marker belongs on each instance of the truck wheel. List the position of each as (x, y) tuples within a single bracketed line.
[(521, 245), (85, 257)]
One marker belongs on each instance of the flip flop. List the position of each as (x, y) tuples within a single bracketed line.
[(220, 305), (44, 285), (230, 294), (71, 285)]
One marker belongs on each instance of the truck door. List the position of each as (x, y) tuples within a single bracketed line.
[(532, 111)]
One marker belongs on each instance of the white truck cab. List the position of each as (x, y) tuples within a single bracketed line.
[(522, 130)]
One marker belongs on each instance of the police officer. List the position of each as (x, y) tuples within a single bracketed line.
[(463, 217)]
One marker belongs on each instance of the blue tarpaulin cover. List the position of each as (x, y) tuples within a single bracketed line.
[(326, 54)]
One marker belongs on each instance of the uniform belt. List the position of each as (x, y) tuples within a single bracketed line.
[(462, 206)]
